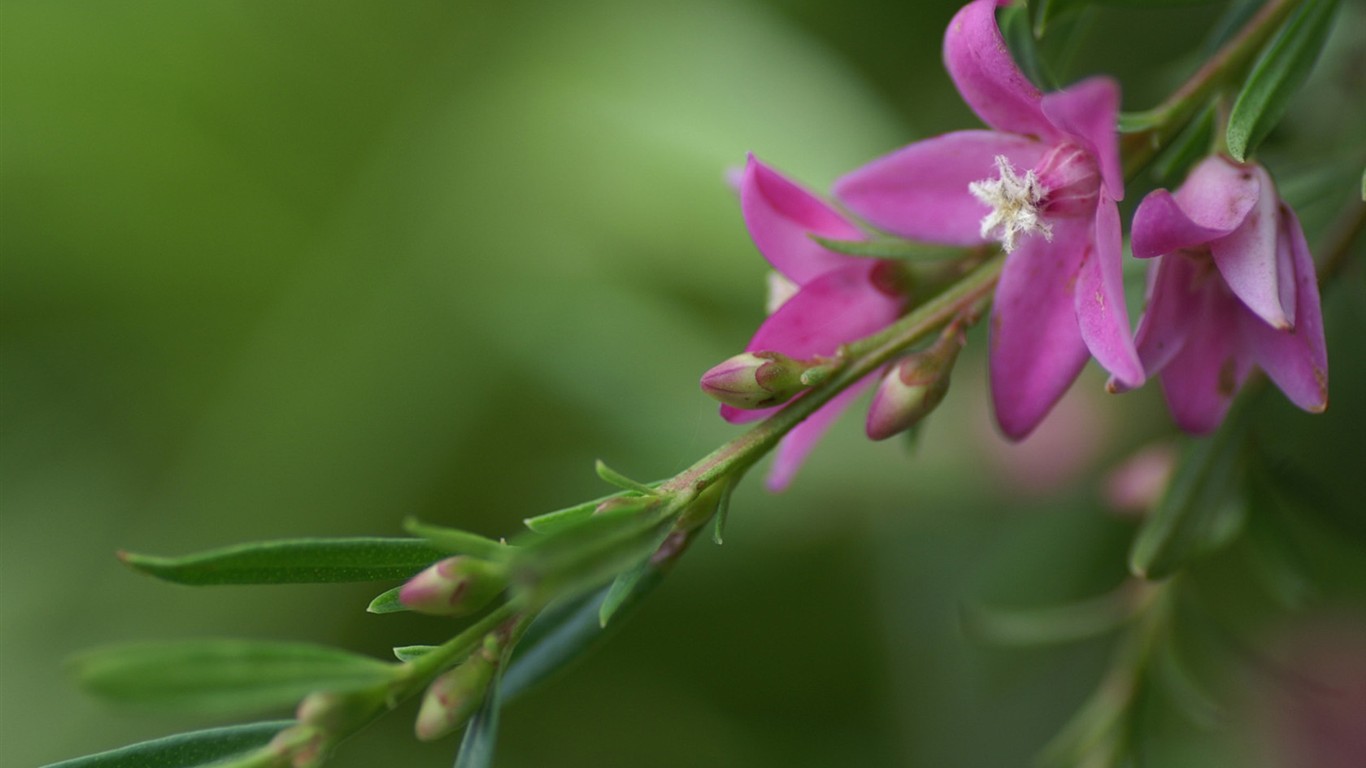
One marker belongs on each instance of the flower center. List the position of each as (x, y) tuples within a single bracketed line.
[(1015, 204)]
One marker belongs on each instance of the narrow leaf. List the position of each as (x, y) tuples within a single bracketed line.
[(184, 750), (481, 735), (387, 602), (620, 591), (223, 675), (887, 248), (587, 555), (1202, 504), (1189, 146), (722, 512), (457, 542), (1278, 75), (1019, 36), (564, 632), (614, 477), (407, 653), (551, 521), (1056, 624), (293, 561)]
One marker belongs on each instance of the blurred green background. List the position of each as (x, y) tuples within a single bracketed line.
[(285, 269)]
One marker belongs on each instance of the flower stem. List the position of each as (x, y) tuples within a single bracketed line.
[(864, 356)]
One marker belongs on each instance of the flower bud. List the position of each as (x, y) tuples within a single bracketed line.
[(453, 697), (298, 746), (336, 711), (454, 587), (912, 388), (755, 380)]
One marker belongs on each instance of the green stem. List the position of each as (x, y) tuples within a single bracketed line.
[(865, 356), (1231, 61)]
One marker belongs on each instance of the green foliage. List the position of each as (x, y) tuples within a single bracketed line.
[(457, 542), (223, 675), (184, 750), (888, 248), (1187, 149), (1202, 502), (1278, 76), (407, 653), (293, 561), (481, 735), (387, 602)]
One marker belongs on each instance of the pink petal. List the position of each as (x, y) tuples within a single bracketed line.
[(1101, 310), (1160, 227), (1219, 193), (986, 75), (1088, 114), (797, 445), (831, 310), (1173, 307), (1036, 347), (921, 191), (1201, 379), (1247, 257), (781, 216), (1297, 360)]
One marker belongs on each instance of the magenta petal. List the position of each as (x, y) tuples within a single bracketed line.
[(1036, 347), (781, 216), (1219, 193), (1297, 360), (835, 308), (986, 75), (1088, 113), (1247, 257), (1173, 308), (797, 445), (1200, 380), (1101, 310), (1160, 227), (921, 191)]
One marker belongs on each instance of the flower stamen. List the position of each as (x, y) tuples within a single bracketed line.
[(1015, 204)]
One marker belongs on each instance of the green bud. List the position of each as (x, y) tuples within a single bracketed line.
[(298, 746), (454, 697), (913, 387), (454, 587), (335, 711), (755, 380)]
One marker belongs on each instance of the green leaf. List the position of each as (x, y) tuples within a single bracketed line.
[(387, 602), (888, 248), (184, 750), (293, 561), (223, 675), (1055, 624), (1019, 36), (614, 477), (1184, 151), (1203, 504), (481, 735), (588, 554), (457, 542), (1278, 75), (407, 653), (564, 632), (723, 511)]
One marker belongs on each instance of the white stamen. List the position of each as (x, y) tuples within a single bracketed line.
[(1014, 204)]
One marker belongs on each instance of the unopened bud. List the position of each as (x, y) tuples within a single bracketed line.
[(453, 697), (298, 746), (913, 388), (334, 711), (454, 587), (755, 380)]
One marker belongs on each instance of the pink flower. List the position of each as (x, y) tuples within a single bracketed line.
[(837, 298), (1044, 183), (1235, 287)]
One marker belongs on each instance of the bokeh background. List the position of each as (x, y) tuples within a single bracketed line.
[(287, 269)]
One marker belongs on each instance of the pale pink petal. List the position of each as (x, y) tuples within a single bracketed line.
[(1101, 310), (781, 216), (986, 75), (921, 191), (1036, 347), (1088, 114), (1219, 193), (1247, 257), (797, 445), (1200, 380), (1297, 360), (835, 308), (1160, 227), (1173, 307)]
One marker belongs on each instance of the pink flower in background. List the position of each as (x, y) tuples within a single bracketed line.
[(1043, 183), (833, 298), (1235, 287)]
